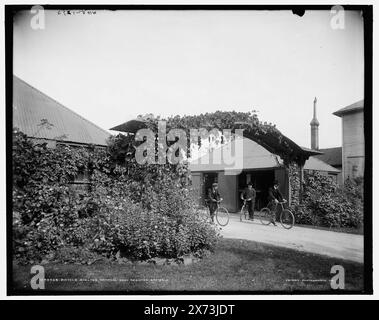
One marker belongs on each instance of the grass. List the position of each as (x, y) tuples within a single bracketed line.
[(236, 265)]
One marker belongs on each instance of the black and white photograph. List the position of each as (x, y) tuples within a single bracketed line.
[(171, 150)]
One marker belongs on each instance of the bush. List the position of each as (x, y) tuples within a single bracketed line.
[(124, 226), (146, 235), (327, 204), (164, 222), (141, 212)]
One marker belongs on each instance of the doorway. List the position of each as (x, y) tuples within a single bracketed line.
[(208, 178), (262, 180)]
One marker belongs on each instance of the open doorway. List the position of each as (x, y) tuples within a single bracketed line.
[(209, 178), (262, 180)]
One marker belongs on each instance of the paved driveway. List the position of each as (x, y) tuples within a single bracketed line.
[(334, 244)]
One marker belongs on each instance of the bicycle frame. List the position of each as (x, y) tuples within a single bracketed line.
[(217, 205), (208, 202), (270, 213), (273, 211), (281, 203), (216, 212), (242, 209)]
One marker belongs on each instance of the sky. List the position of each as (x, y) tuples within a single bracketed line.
[(112, 66)]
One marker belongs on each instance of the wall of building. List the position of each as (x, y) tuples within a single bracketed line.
[(50, 143), (339, 175), (227, 186), (353, 145), (197, 185), (282, 177)]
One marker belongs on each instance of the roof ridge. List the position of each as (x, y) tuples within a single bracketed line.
[(60, 104), (330, 148)]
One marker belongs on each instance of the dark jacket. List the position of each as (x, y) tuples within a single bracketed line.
[(274, 194), (213, 195), (249, 194)]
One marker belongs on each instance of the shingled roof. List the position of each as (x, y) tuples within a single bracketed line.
[(39, 116)]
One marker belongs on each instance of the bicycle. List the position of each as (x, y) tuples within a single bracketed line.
[(287, 219), (221, 214), (244, 211)]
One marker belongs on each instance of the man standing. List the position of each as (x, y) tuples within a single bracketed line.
[(213, 199), (274, 197), (248, 195)]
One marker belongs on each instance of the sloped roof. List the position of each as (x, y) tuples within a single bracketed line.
[(31, 106), (316, 164), (252, 156), (332, 156), (131, 126), (357, 106)]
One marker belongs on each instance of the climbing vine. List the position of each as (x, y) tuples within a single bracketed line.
[(265, 134)]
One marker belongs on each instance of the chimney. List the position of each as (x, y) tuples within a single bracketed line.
[(314, 128)]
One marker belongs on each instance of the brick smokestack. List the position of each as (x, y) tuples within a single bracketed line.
[(314, 127)]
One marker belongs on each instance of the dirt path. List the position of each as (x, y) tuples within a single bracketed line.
[(333, 244)]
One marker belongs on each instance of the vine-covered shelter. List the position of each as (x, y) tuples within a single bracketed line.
[(266, 157)]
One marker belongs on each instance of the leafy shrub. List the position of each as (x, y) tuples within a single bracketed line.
[(164, 223), (141, 211), (327, 204), (146, 235)]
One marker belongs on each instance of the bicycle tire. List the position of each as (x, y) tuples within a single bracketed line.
[(222, 216), (265, 216), (287, 219)]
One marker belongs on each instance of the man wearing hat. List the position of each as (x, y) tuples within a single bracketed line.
[(248, 195), (213, 199), (274, 197)]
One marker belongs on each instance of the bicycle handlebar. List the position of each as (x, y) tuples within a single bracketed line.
[(209, 201), (280, 203)]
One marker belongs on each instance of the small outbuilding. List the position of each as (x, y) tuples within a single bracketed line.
[(259, 166)]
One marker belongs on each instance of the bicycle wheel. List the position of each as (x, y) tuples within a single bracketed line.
[(265, 216), (222, 216), (287, 219)]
